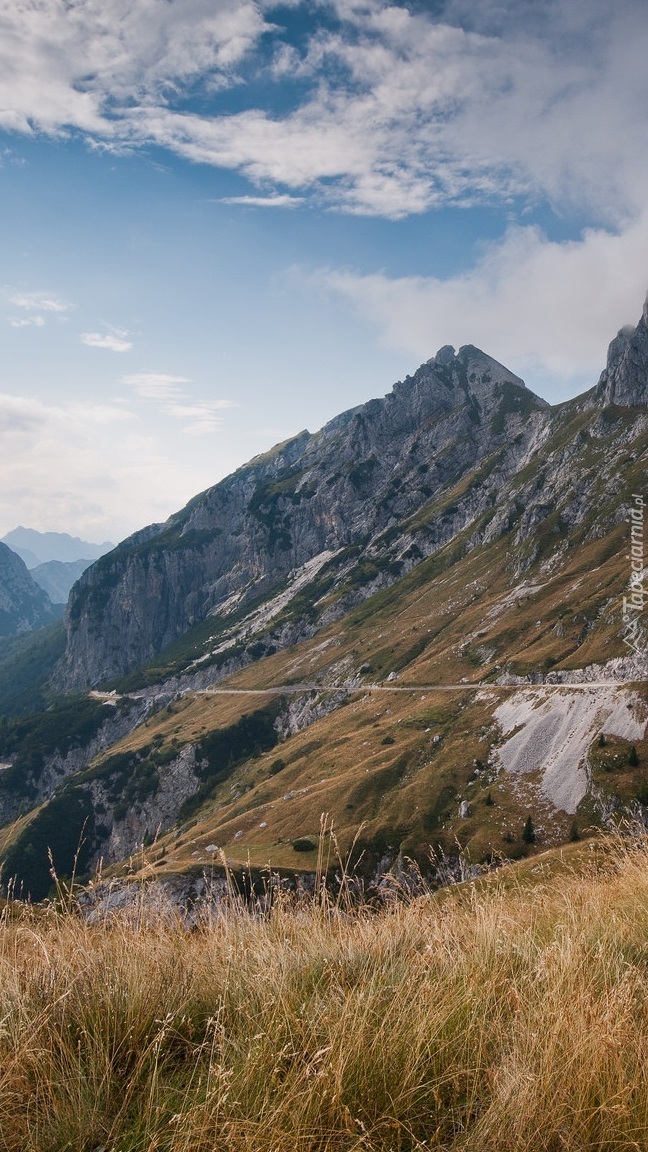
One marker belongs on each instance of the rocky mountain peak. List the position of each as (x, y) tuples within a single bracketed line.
[(444, 356), (469, 366), (624, 380), (319, 495), (452, 379)]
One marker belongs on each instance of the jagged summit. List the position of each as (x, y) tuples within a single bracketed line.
[(624, 380), (313, 496), (472, 371), (346, 501), (444, 356)]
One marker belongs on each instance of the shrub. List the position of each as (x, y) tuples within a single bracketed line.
[(528, 832)]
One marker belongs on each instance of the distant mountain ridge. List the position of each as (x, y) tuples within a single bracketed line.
[(37, 548), (57, 577)]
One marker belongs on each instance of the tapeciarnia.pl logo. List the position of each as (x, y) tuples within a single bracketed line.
[(633, 603)]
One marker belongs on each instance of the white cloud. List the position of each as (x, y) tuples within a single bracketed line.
[(278, 201), (156, 385), (203, 418), (19, 414), (65, 65), (115, 341), (34, 304), (546, 310), (175, 403), (21, 322), (409, 113), (403, 110), (39, 302)]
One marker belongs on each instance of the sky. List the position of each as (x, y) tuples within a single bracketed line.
[(224, 221)]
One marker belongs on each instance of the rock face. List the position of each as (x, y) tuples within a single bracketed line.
[(177, 782), (460, 449), (317, 494), (23, 605), (624, 380)]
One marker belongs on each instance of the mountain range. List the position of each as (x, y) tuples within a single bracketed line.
[(426, 620), (55, 561), (37, 548)]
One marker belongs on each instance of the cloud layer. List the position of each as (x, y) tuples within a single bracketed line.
[(399, 111)]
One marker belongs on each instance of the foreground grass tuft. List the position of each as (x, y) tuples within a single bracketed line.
[(492, 1017)]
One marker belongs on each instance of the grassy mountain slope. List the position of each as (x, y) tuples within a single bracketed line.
[(430, 686), (400, 761), (394, 760), (507, 1013)]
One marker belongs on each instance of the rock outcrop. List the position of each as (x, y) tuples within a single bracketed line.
[(624, 380), (23, 605)]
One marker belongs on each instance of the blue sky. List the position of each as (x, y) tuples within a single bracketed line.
[(222, 221)]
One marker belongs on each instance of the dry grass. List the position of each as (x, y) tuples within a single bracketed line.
[(491, 1017)]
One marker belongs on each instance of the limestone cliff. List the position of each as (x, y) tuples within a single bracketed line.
[(365, 471)]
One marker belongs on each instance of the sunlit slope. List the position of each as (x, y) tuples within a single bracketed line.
[(401, 761), (396, 756)]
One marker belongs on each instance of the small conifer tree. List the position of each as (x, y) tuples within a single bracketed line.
[(633, 759), (528, 832)]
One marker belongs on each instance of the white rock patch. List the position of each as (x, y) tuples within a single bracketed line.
[(553, 730), (258, 619)]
